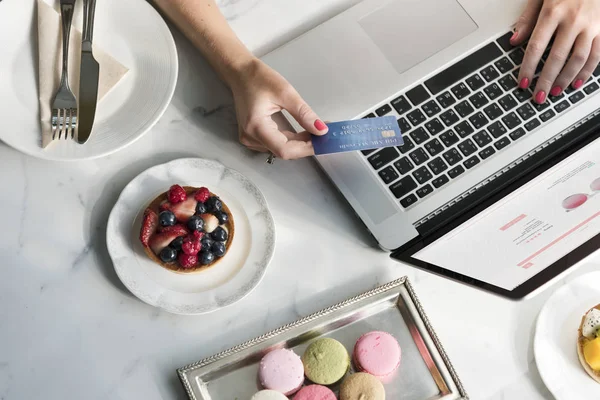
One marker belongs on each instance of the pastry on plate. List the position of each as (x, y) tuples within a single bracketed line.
[(588, 343), (187, 229)]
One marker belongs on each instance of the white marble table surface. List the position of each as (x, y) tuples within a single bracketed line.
[(70, 330)]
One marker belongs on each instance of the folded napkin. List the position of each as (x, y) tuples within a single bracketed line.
[(50, 61)]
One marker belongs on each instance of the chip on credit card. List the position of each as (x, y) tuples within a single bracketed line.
[(361, 134)]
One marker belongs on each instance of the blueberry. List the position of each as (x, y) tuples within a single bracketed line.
[(219, 234), (218, 249), (222, 217), (206, 257), (206, 242), (176, 243), (168, 254), (195, 223), (167, 218), (214, 204), (201, 208)]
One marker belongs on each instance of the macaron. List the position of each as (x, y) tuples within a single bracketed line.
[(326, 361), (362, 386), (281, 370), (315, 392), (269, 395), (377, 353)]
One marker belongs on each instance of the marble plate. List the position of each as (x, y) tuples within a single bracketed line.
[(133, 33), (555, 342), (232, 278)]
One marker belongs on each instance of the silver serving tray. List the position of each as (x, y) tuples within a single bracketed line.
[(425, 371)]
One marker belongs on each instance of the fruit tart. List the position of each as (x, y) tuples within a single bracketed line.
[(187, 229), (588, 343)]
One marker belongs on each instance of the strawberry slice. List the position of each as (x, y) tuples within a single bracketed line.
[(184, 210), (175, 228), (149, 225), (161, 240)]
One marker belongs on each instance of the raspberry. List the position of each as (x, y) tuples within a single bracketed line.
[(187, 261), (198, 235), (176, 194), (191, 245), (202, 194)]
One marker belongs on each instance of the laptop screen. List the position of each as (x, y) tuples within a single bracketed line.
[(514, 236), (522, 234)]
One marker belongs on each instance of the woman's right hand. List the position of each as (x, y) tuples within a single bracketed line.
[(259, 92), (574, 25)]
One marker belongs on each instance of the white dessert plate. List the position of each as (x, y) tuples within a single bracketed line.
[(130, 31), (555, 343), (232, 278)]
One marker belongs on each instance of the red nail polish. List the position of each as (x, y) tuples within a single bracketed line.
[(320, 125), (540, 97), (578, 83), (524, 83), (556, 91), (514, 36)]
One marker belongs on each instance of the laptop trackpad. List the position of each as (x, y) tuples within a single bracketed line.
[(410, 31)]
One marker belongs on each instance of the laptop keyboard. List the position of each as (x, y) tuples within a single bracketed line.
[(460, 117)]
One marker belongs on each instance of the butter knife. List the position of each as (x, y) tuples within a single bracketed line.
[(89, 75)]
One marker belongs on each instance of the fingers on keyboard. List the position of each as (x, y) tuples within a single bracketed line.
[(462, 116)]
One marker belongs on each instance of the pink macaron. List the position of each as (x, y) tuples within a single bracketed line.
[(377, 353), (315, 392), (281, 370)]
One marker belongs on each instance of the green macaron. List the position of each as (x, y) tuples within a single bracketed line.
[(326, 361)]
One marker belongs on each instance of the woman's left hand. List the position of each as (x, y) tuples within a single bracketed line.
[(575, 52)]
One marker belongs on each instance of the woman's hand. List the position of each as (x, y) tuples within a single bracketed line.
[(575, 53), (259, 92)]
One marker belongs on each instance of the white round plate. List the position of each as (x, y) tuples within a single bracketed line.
[(130, 31), (232, 278), (555, 343)]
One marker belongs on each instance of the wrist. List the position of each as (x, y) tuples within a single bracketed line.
[(238, 69)]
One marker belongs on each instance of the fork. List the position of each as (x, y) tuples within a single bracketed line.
[(64, 105)]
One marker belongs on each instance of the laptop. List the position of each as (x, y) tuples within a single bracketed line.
[(472, 139)]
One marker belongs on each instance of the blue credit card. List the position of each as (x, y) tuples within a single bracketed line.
[(361, 134)]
